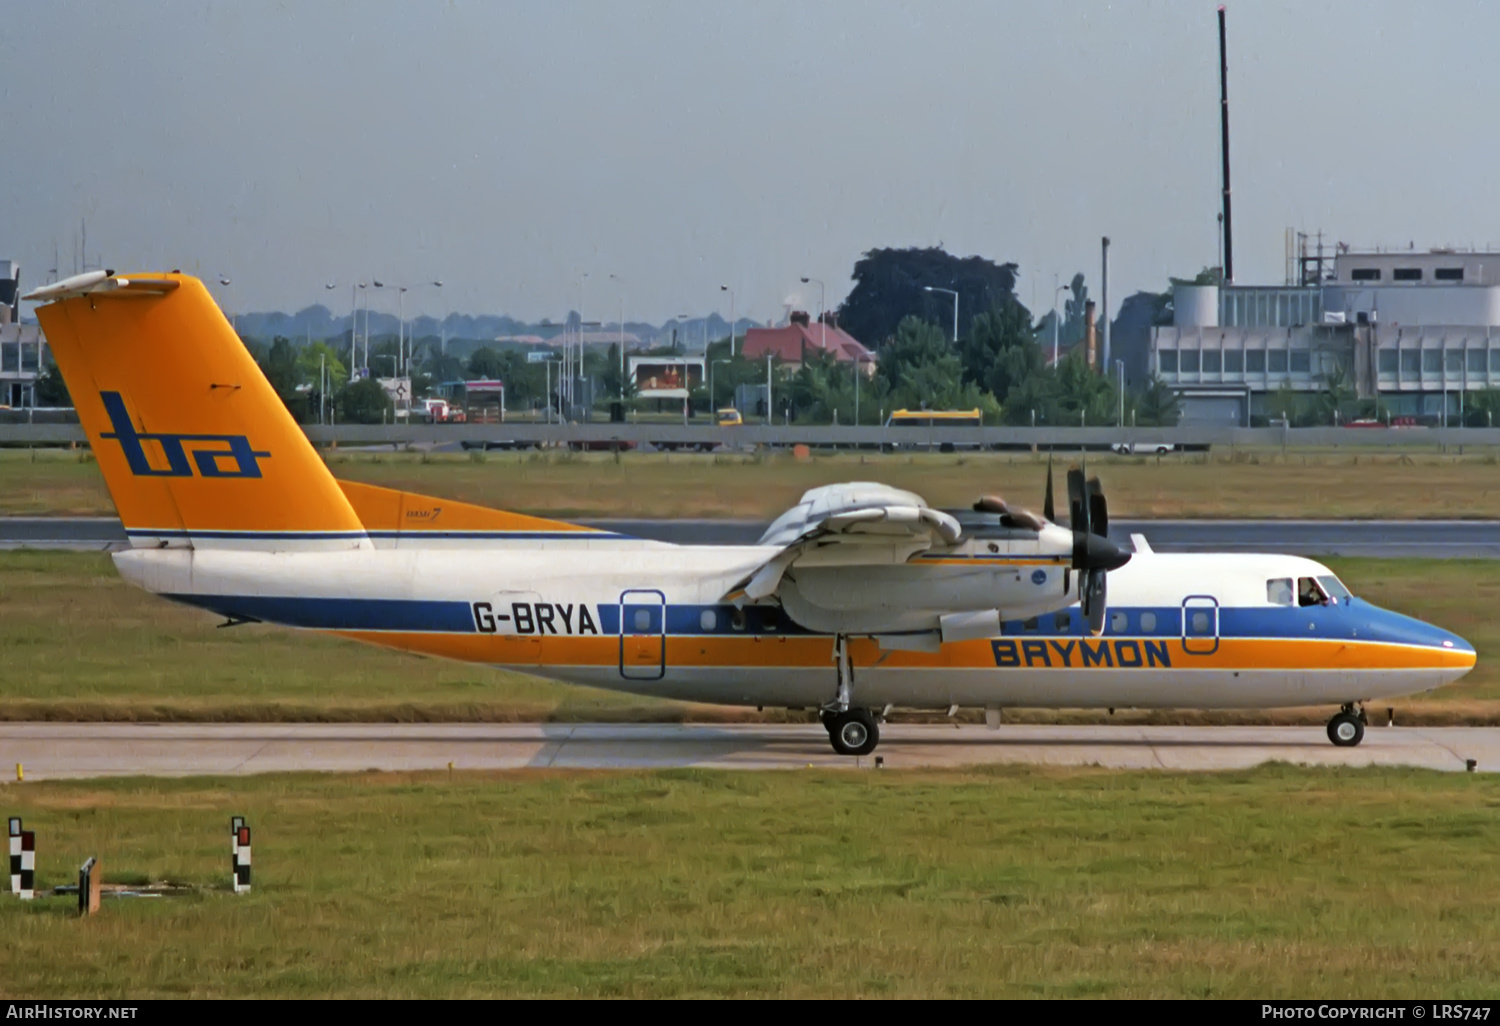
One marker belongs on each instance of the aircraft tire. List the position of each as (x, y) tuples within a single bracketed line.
[(1346, 730), (854, 732)]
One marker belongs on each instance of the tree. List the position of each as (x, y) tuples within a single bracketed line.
[(484, 364), (919, 368), (998, 352), (1157, 405), (282, 369), (51, 390), (888, 286), (319, 357), (364, 402)]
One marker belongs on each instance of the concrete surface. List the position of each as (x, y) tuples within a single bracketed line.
[(57, 750)]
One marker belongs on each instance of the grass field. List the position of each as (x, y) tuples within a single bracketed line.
[(1281, 882), (76, 642), (1259, 483)]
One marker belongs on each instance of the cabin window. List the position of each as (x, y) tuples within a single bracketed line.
[(1310, 592), (1031, 624), (1061, 622), (1200, 622), (708, 620), (737, 619), (1119, 622), (1148, 623), (642, 620), (1279, 591), (768, 621)]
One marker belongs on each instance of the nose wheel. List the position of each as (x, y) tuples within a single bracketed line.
[(853, 731), (1347, 727)]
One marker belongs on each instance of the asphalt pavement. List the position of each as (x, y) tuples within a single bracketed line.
[(61, 750), (1469, 539)]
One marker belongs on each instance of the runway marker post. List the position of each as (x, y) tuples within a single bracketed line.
[(242, 859), (26, 884), (15, 854)]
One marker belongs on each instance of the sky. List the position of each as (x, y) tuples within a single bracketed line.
[(608, 155)]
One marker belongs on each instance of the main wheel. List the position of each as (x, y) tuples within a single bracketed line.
[(854, 732), (1346, 730)]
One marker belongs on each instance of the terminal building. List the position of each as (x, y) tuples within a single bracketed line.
[(1416, 331), (21, 345)]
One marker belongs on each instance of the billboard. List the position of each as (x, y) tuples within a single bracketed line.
[(666, 377)]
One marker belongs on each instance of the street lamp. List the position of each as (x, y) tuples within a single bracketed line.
[(616, 277), (822, 307), (726, 288), (934, 288), (1056, 292), (234, 317), (711, 400)]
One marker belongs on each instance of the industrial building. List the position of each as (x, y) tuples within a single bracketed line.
[(21, 345), (1417, 330)]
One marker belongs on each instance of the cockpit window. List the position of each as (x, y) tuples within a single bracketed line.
[(1310, 592), (1279, 591), (1335, 588)]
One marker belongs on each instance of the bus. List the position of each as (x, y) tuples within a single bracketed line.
[(938, 420)]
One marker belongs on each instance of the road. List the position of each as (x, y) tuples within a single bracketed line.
[(57, 750), (1472, 539)]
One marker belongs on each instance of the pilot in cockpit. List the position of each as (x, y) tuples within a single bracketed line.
[(1309, 593)]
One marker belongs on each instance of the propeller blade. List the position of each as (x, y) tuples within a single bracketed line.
[(1098, 508), (1095, 587), (1047, 510), (1078, 507)]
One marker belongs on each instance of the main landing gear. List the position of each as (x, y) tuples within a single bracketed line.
[(851, 731), (1347, 727)]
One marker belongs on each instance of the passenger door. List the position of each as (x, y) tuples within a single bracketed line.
[(1200, 625), (643, 634)]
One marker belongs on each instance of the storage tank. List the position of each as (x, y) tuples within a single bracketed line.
[(1195, 306)]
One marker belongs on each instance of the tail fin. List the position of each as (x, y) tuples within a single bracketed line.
[(196, 447)]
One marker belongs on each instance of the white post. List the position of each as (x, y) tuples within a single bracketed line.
[(770, 416)]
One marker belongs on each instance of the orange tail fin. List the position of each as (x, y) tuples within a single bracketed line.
[(195, 446)]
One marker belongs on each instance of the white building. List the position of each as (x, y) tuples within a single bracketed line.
[(1418, 330)]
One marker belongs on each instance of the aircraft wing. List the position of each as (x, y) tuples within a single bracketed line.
[(872, 533)]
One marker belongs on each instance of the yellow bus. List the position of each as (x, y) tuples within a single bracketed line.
[(938, 419)]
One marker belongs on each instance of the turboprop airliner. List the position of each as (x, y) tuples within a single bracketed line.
[(859, 599)]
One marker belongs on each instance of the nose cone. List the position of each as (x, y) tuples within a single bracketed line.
[(1437, 648)]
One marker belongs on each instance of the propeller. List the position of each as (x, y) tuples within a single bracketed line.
[(1094, 555)]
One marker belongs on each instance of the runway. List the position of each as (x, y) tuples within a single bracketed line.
[(1468, 539), (53, 751)]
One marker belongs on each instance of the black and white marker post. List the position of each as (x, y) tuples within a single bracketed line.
[(22, 861), (15, 854), (241, 856)]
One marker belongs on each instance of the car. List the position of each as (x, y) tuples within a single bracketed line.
[(729, 418), (1143, 448)]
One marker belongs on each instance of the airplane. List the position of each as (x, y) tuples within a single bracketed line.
[(859, 599)]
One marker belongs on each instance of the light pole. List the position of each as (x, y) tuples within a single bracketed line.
[(405, 349), (1120, 378), (726, 288), (1055, 293), (711, 400), (616, 277), (934, 288), (822, 308)]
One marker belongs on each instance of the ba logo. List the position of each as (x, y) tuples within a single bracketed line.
[(214, 455)]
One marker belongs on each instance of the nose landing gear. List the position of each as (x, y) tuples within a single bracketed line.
[(1347, 727), (851, 731)]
